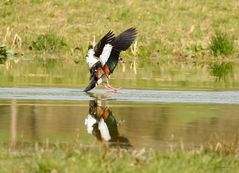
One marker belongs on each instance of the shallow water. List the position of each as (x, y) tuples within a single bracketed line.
[(156, 74), (138, 118), (167, 102), (124, 95)]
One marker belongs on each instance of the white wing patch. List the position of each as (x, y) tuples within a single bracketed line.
[(89, 122), (105, 54), (90, 59), (104, 131)]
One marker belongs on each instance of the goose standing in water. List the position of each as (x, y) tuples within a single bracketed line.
[(104, 56)]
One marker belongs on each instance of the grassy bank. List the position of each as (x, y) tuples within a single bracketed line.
[(179, 44), (72, 157), (166, 28)]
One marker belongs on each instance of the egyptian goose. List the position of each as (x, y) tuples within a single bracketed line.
[(104, 57)]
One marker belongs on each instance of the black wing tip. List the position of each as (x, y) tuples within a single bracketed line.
[(123, 41), (87, 90), (133, 30), (131, 33), (90, 86), (110, 36), (110, 32)]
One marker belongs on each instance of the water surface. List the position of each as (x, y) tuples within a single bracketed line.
[(130, 95), (136, 118)]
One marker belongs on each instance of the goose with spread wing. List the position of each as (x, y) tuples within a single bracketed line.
[(104, 57)]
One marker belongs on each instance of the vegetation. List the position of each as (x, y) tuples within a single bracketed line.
[(176, 43), (167, 29), (7, 54), (3, 54), (222, 71), (73, 157), (49, 42), (176, 40), (222, 44)]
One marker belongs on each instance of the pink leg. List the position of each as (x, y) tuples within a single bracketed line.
[(107, 86), (113, 88)]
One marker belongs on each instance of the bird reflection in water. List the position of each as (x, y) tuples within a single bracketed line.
[(101, 123)]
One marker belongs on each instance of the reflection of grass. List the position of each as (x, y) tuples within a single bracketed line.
[(222, 71), (188, 114), (49, 63), (221, 43), (3, 54), (73, 157)]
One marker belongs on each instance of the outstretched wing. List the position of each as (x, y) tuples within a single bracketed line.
[(101, 44), (125, 39), (108, 49), (120, 43)]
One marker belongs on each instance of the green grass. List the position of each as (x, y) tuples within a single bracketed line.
[(49, 42), (3, 54), (73, 157), (176, 42), (166, 28), (222, 71), (221, 44)]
